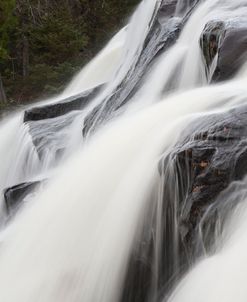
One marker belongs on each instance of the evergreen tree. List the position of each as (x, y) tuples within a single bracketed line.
[(44, 42), (8, 24)]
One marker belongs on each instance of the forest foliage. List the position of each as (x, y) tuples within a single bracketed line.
[(43, 43)]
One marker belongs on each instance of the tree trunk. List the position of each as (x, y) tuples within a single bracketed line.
[(25, 57), (3, 98)]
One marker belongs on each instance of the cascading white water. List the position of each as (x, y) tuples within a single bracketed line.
[(72, 242)]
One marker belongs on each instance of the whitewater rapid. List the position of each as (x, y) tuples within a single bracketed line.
[(71, 242)]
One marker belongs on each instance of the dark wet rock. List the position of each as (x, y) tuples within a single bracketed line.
[(159, 40), (211, 40), (51, 136), (168, 8), (199, 173), (210, 158), (60, 108), (45, 121), (225, 42), (163, 32), (14, 196)]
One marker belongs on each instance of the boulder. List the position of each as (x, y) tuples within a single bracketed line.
[(14, 196), (60, 108), (50, 136), (224, 48)]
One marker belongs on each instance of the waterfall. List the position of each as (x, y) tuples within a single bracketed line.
[(106, 225)]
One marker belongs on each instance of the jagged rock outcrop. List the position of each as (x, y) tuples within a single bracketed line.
[(14, 196), (62, 107), (224, 48)]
